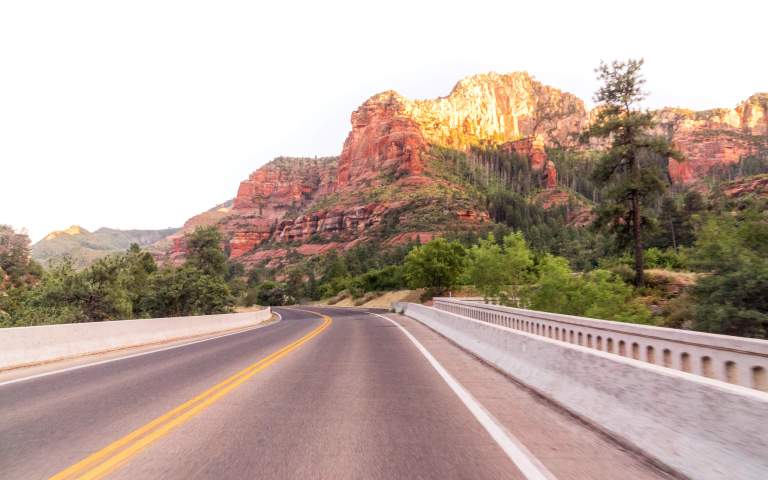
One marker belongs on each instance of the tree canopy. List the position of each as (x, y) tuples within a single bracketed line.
[(435, 265)]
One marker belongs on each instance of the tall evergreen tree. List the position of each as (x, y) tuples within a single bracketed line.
[(631, 169)]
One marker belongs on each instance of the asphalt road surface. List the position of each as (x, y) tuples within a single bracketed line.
[(327, 394)]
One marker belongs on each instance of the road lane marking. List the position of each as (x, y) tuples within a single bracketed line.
[(120, 451), (134, 355), (525, 461)]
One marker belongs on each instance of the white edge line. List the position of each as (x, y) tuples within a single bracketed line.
[(117, 359), (528, 464)]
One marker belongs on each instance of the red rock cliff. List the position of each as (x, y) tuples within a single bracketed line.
[(715, 138), (383, 142), (383, 173)]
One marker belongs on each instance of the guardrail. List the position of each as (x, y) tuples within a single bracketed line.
[(21, 346), (736, 360), (697, 427)]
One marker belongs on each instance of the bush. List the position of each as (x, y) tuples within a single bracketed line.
[(126, 285), (733, 298), (597, 294), (366, 298), (274, 294), (338, 297), (667, 259), (187, 291), (388, 278)]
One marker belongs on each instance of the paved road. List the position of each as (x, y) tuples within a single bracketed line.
[(353, 399)]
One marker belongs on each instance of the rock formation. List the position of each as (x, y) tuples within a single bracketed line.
[(384, 184), (533, 149), (496, 108), (715, 138)]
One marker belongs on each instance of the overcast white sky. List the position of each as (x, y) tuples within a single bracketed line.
[(141, 114)]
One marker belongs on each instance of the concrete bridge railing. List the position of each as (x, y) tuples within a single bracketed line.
[(735, 360), (695, 426), (23, 346)]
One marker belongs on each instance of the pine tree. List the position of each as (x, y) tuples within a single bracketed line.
[(631, 169)]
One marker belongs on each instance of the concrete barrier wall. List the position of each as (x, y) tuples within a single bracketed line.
[(21, 346), (742, 361), (699, 427)]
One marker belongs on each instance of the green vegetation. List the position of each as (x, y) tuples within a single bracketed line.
[(733, 297), (505, 186), (596, 294), (120, 286), (435, 266), (492, 266)]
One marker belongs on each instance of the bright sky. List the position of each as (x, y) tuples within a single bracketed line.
[(141, 114)]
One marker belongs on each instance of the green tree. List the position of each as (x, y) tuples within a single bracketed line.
[(606, 296), (630, 170), (135, 278), (205, 253), (435, 265), (492, 267), (16, 266), (557, 289), (732, 298), (485, 268), (186, 291), (518, 258), (597, 294)]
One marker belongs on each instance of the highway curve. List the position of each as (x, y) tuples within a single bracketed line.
[(306, 397)]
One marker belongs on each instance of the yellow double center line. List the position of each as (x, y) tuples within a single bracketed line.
[(119, 452)]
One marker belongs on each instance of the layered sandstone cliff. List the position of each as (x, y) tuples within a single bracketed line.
[(391, 134), (383, 185), (715, 138), (496, 108)]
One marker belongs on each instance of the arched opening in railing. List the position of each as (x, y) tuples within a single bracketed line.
[(706, 367), (622, 348), (666, 358), (609, 345), (759, 379), (589, 340), (599, 342), (731, 372), (685, 362), (580, 340), (650, 354), (635, 351)]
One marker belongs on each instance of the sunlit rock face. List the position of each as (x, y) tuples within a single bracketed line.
[(309, 206), (383, 140), (496, 108), (715, 138), (281, 188), (392, 134)]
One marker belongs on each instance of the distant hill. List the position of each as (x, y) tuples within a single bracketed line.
[(85, 247)]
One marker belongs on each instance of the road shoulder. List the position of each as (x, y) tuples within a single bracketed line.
[(568, 447)]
